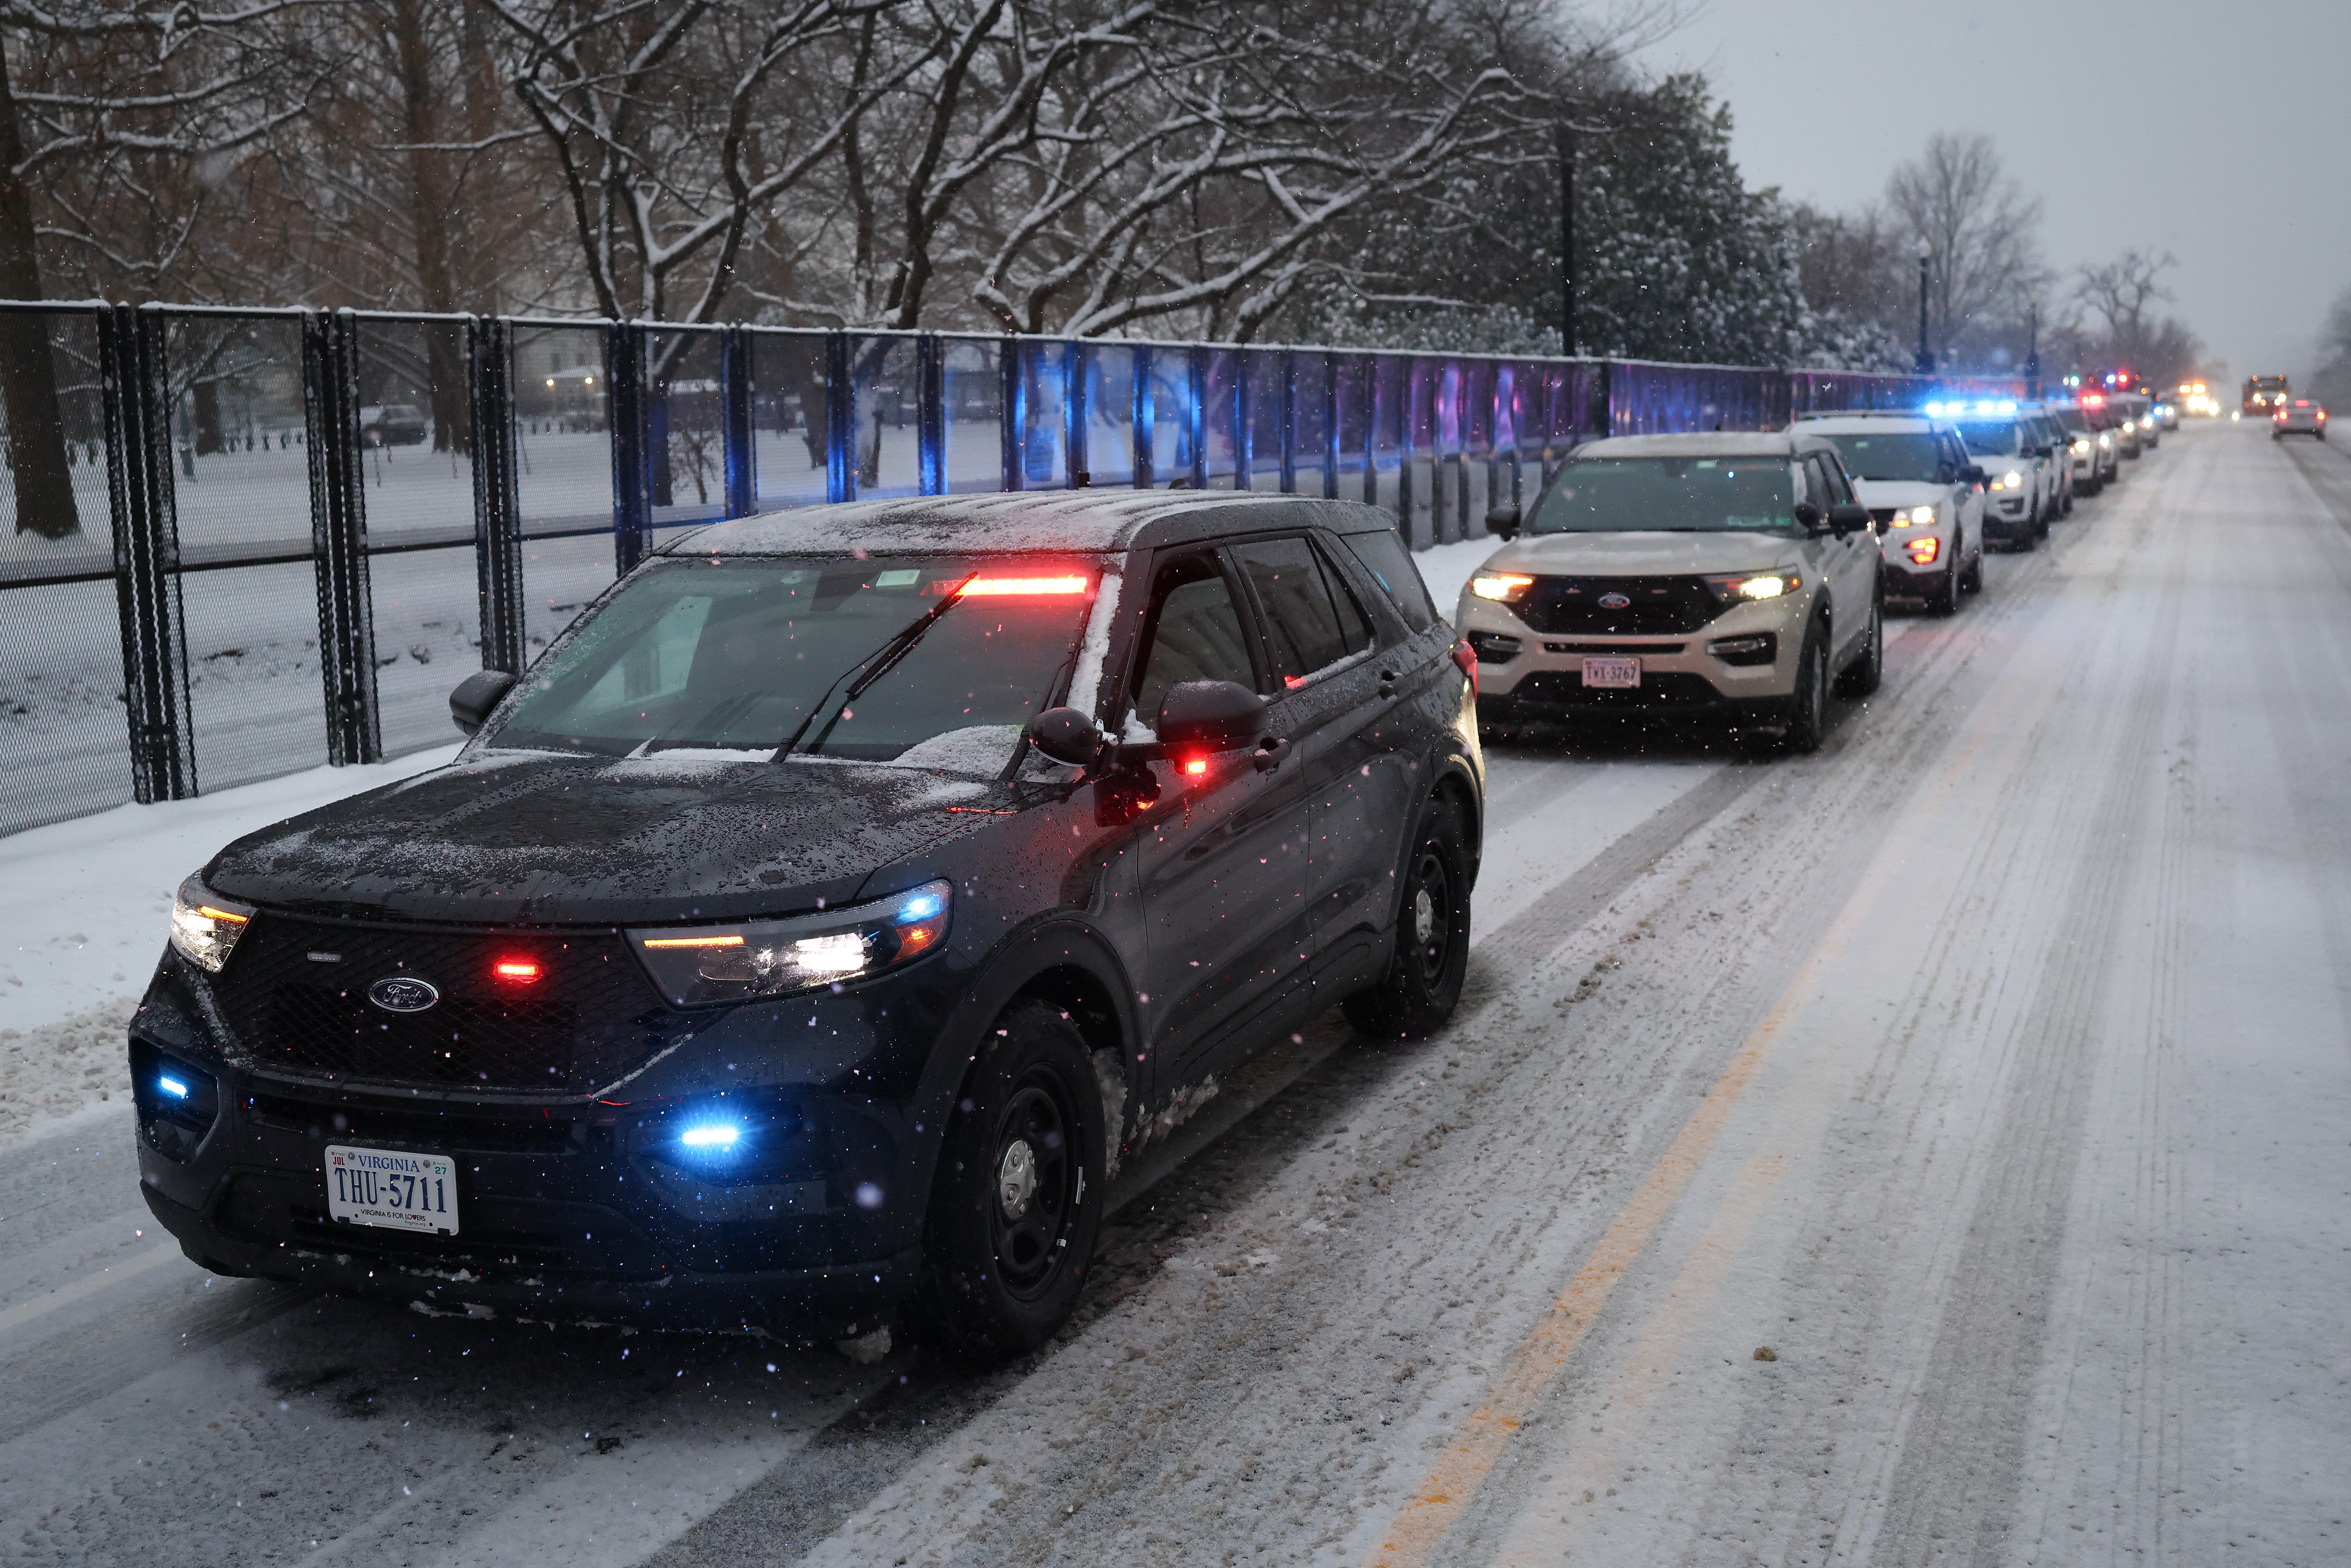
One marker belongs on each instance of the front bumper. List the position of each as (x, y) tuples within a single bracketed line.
[(1905, 577), (1543, 679), (568, 1210)]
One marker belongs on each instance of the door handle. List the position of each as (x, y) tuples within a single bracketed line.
[(1388, 679), (1270, 753)]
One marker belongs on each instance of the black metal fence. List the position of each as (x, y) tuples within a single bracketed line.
[(239, 543)]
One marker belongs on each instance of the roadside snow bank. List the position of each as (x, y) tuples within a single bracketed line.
[(1445, 568), (87, 903)]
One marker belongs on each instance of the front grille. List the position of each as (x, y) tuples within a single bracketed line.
[(1654, 606), (1652, 650), (295, 994)]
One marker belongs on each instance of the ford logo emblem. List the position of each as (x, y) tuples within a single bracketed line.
[(1615, 602), (404, 994)]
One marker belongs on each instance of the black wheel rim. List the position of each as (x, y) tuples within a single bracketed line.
[(1428, 917), (1032, 1180)]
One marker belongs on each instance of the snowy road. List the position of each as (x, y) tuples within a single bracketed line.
[(1991, 1068)]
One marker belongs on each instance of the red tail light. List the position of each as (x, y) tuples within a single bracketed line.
[(1466, 657)]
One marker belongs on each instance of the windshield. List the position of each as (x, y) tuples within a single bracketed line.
[(863, 659), (1995, 438), (1916, 456), (1667, 494), (2070, 419)]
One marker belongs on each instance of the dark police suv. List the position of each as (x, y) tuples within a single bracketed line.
[(812, 928)]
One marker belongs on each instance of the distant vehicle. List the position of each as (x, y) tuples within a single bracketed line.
[(1715, 576), (808, 932), (2264, 394), (2303, 417), (394, 424), (2166, 414), (2048, 433), (2023, 491), (2196, 400), (1915, 475)]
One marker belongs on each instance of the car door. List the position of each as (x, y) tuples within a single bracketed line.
[(1339, 692), (1967, 500), (1223, 852), (1853, 560)]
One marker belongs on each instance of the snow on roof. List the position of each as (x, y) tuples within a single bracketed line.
[(1703, 444), (1026, 520)]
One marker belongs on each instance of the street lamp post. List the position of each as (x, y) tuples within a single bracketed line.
[(1926, 355), (2032, 348), (1567, 237)]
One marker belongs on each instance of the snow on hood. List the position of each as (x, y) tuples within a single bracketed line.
[(554, 838), (1641, 555), (1881, 493)]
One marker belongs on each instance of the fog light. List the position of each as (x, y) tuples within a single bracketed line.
[(177, 1103), (1924, 551), (1760, 649), (710, 1138)]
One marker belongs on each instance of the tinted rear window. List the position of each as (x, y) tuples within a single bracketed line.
[(1383, 556)]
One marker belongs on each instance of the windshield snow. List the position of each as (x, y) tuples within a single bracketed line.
[(855, 659), (1669, 495)]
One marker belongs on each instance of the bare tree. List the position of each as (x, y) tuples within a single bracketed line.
[(95, 103), (1977, 228), (2121, 294)]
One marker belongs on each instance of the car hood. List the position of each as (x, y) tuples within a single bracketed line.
[(1641, 555), (538, 838), (1878, 494)]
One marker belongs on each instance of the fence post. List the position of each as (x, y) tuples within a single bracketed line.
[(1287, 455), (839, 421), (1329, 424), (135, 399), (1146, 449), (742, 454), (331, 410), (1077, 412), (1244, 419), (624, 420), (931, 414), (497, 495), (1195, 415)]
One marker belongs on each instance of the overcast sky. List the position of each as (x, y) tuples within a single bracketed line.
[(2216, 130)]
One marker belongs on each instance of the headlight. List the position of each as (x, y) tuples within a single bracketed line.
[(698, 964), (1916, 517), (2104, 441), (2081, 443), (205, 926), (1745, 586), (1503, 586), (2011, 480)]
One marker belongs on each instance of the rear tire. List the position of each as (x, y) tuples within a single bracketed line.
[(1862, 676), (1018, 1201), (1423, 982)]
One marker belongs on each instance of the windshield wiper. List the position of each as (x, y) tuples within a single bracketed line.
[(876, 665)]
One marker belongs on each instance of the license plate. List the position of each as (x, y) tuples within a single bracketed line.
[(1618, 673), (390, 1187)]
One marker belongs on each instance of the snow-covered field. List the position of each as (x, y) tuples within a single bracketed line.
[(1929, 1150)]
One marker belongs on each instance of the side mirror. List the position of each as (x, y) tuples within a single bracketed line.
[(2045, 450), (1808, 516), (1848, 517), (1502, 521), (1065, 734), (476, 695), (1210, 716), (1973, 474)]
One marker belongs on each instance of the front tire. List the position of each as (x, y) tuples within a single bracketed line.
[(1808, 707), (1423, 982), (1018, 1201), (1943, 599), (1862, 676)]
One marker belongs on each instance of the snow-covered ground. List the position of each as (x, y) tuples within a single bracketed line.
[(1927, 1151), (89, 903)]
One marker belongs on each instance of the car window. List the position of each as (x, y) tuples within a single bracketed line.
[(1890, 454), (1821, 483), (1196, 634), (1669, 495), (1382, 554), (1354, 626), (1303, 632)]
